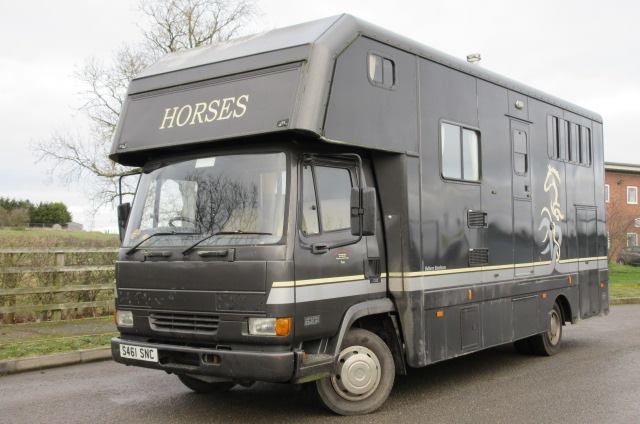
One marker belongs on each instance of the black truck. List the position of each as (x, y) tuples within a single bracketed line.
[(333, 202)]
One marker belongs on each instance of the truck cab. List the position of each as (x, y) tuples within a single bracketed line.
[(240, 262)]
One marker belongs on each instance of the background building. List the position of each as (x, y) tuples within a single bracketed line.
[(622, 181)]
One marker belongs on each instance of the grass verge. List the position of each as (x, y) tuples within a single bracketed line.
[(44, 338), (16, 350), (624, 281)]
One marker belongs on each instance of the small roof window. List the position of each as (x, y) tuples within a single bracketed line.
[(381, 71)]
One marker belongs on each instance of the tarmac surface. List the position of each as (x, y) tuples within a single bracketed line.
[(594, 379)]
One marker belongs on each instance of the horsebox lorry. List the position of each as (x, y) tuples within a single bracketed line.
[(332, 202)]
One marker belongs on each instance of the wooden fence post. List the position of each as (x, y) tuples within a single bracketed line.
[(52, 295)]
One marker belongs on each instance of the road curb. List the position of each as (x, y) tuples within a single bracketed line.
[(13, 366), (625, 301)]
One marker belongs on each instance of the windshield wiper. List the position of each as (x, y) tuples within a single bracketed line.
[(222, 233), (171, 233)]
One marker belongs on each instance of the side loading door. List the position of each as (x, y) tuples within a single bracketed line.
[(330, 279), (523, 242)]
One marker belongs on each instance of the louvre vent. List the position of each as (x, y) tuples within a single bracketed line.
[(184, 322), (478, 257), (476, 219)]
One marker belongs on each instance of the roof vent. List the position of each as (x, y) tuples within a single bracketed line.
[(474, 58)]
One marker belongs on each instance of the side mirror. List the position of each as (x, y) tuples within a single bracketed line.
[(363, 211), (124, 209)]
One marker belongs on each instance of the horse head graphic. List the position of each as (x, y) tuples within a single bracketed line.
[(552, 216)]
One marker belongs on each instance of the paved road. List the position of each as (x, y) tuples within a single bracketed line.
[(595, 379)]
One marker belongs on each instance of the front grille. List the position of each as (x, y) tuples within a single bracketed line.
[(184, 322)]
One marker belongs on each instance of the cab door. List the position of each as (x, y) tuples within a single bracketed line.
[(329, 279)]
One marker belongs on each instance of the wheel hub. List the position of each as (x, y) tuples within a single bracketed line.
[(358, 373), (555, 326)]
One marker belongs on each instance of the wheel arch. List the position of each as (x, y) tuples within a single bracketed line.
[(377, 316), (565, 309)]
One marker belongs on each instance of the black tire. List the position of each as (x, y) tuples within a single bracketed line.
[(523, 347), (372, 372), (200, 386), (549, 342)]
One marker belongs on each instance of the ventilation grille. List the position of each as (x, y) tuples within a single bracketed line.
[(478, 257), (184, 322), (476, 219)]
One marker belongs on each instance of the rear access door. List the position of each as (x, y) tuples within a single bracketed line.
[(588, 264)]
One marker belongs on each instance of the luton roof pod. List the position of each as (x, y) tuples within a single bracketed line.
[(278, 81)]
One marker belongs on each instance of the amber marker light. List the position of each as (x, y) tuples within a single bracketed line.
[(601, 284), (569, 280), (544, 295), (469, 294), (283, 326), (440, 313)]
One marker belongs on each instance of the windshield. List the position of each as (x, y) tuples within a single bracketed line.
[(239, 194)]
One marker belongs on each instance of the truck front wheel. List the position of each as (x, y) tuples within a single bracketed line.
[(364, 375)]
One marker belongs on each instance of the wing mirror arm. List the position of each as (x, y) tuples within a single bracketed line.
[(124, 209)]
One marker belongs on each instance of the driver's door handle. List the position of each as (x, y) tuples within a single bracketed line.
[(318, 248)]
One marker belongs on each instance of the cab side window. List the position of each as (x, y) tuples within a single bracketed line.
[(326, 197), (309, 224)]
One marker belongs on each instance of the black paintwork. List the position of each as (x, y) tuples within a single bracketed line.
[(320, 101)]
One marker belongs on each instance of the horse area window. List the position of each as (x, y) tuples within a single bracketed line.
[(459, 152)]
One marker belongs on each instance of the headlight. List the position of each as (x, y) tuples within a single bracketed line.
[(124, 318), (270, 326)]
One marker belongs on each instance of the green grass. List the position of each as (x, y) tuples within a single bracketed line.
[(624, 281), (43, 338), (16, 350), (46, 238)]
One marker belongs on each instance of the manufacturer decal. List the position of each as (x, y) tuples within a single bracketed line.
[(435, 268), (205, 112), (552, 216), (311, 320), (342, 256)]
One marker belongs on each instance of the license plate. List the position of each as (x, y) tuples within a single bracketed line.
[(140, 353)]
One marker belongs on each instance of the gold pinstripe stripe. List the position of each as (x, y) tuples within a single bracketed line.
[(347, 278), (342, 279), (486, 268)]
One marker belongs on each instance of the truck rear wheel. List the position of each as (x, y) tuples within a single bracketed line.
[(364, 378), (548, 343), (201, 386)]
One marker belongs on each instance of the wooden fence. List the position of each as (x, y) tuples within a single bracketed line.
[(55, 284)]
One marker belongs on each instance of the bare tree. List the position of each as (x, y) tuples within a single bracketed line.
[(620, 220), (167, 26)]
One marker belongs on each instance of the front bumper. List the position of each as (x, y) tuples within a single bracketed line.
[(277, 367)]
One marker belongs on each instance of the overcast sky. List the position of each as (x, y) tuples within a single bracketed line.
[(586, 52)]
